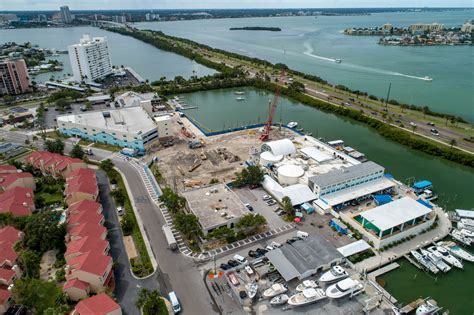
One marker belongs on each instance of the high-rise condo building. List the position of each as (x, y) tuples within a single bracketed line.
[(14, 77), (65, 15), (90, 59)]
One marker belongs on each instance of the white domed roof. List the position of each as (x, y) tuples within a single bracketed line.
[(268, 156), (279, 147), (291, 171)]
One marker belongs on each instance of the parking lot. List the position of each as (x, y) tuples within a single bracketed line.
[(232, 296), (254, 198), (75, 108)]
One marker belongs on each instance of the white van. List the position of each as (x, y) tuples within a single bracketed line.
[(240, 259), (174, 302), (302, 234)]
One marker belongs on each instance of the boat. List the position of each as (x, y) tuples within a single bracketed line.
[(437, 261), (252, 289), (306, 297), (239, 92), (428, 78), (457, 251), (307, 284), (240, 98), (274, 290), (337, 60), (425, 262), (444, 254), (467, 233), (233, 279), (279, 300), (467, 224), (457, 235), (292, 124), (428, 195), (429, 307), (334, 274), (344, 287)]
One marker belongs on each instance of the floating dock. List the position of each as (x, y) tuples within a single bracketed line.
[(413, 262), (374, 274)]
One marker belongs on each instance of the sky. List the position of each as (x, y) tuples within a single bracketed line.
[(209, 4)]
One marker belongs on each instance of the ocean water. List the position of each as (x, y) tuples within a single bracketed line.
[(312, 44)]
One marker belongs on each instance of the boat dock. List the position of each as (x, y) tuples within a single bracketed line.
[(413, 262), (410, 307), (374, 274)]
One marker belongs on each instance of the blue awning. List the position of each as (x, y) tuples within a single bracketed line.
[(382, 199), (424, 203), (422, 184)]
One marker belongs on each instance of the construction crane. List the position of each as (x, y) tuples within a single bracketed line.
[(272, 107)]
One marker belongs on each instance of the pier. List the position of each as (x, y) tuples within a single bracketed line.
[(413, 262), (374, 274)]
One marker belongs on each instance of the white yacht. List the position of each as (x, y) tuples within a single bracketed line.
[(428, 78), (344, 287), (252, 289), (457, 251), (308, 296), (467, 233), (457, 235), (334, 274), (279, 300), (239, 92), (240, 98), (425, 262), (467, 224), (444, 254), (337, 60), (274, 290), (307, 284), (292, 124), (428, 308), (437, 261)]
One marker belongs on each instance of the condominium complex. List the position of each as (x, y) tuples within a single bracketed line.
[(90, 59), (14, 77), (421, 28), (66, 17)]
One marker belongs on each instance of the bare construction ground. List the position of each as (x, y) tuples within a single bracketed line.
[(220, 157)]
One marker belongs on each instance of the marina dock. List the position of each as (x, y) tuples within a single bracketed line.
[(413, 262), (374, 274)]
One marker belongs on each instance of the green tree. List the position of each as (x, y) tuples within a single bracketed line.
[(42, 232), (187, 223), (61, 104), (150, 302), (8, 99), (57, 310), (54, 146), (288, 206), (107, 165), (251, 175), (172, 200), (251, 222), (30, 263), (77, 152), (88, 105), (37, 294)]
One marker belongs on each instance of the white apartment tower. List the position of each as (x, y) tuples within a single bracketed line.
[(90, 59), (65, 15)]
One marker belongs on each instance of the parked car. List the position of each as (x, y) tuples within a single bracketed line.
[(242, 294), (266, 197), (269, 247), (120, 211), (412, 124), (431, 124), (434, 132), (281, 212), (225, 266), (261, 251), (233, 279), (275, 244), (232, 263), (249, 206), (240, 259), (253, 254), (271, 202)]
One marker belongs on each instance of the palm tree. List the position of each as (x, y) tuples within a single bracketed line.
[(452, 143), (150, 302)]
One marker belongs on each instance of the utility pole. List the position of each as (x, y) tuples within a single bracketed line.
[(388, 94)]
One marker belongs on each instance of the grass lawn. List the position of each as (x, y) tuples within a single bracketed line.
[(51, 194)]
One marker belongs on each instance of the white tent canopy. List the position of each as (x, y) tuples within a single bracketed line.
[(353, 248), (279, 147), (298, 193)]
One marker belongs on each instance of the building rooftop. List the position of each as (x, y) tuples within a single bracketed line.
[(133, 99), (100, 304), (215, 205), (75, 283), (85, 205), (131, 120), (395, 213), (86, 244), (298, 193), (17, 200), (354, 171), (294, 260), (90, 262)]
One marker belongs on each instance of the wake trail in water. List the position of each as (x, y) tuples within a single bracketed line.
[(309, 52)]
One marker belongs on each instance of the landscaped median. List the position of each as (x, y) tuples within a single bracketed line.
[(141, 266)]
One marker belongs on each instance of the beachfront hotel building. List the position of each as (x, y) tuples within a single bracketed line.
[(90, 59), (14, 77)]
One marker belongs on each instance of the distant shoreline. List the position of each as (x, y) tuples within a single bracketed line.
[(256, 28)]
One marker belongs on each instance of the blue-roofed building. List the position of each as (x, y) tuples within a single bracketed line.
[(382, 199), (420, 186)]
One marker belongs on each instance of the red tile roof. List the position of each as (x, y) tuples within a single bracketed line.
[(5, 295), (7, 179), (84, 217), (88, 229), (7, 274), (75, 283), (5, 169), (79, 172), (90, 262), (86, 244), (100, 304), (17, 200), (10, 235), (85, 184), (50, 161), (85, 205)]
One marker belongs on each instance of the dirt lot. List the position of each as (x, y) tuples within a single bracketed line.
[(219, 157)]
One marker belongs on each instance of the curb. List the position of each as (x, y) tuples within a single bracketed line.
[(142, 229)]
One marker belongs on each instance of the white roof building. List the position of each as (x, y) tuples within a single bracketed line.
[(279, 147), (298, 193), (353, 248)]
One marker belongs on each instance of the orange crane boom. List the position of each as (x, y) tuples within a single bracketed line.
[(272, 108)]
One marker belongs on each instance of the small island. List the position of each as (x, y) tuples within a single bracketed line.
[(256, 28)]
